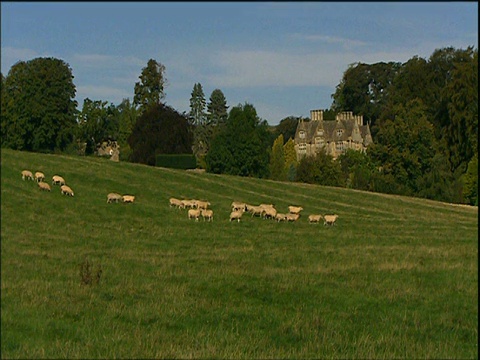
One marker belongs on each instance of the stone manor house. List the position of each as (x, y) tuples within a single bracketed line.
[(336, 136)]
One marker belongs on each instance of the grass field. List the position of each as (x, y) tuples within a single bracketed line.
[(396, 277)]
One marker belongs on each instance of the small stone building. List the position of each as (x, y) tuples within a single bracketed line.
[(109, 148), (347, 131)]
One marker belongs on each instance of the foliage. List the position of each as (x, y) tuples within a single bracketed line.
[(96, 122), (127, 117), (287, 128), (240, 147), (277, 167), (197, 105), (357, 169), (150, 90), (470, 182), (290, 160), (38, 107), (320, 169), (217, 108), (160, 130), (176, 161)]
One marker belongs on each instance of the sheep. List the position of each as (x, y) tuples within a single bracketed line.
[(236, 206), (269, 212), (177, 203), (236, 215), (189, 203), (314, 218), (39, 176), (330, 219), (292, 217), (44, 186), (256, 210), (26, 174), (128, 198), (66, 190), (114, 197), (202, 204), (194, 214), (58, 180), (207, 214), (295, 209), (280, 217)]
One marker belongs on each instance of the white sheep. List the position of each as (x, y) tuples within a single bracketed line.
[(202, 204), (207, 214), (314, 218), (269, 212), (256, 210), (238, 206), (177, 203), (44, 186), (114, 197), (194, 214), (236, 215), (58, 180), (280, 217), (66, 190), (189, 203), (295, 209), (292, 217), (26, 174), (128, 198), (39, 176), (330, 219)]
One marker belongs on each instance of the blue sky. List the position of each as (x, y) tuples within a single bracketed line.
[(285, 58)]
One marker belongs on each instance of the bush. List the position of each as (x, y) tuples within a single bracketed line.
[(176, 161)]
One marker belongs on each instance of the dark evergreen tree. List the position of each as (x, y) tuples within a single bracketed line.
[(150, 90), (217, 108), (197, 105)]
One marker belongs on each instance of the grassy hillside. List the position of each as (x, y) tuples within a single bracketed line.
[(396, 277)]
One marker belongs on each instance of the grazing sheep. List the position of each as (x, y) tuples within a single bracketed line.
[(58, 180), (194, 214), (202, 204), (27, 175), (128, 198), (330, 219), (207, 214), (114, 197), (189, 203), (256, 210), (236, 215), (280, 217), (295, 209), (238, 206), (292, 217), (66, 190), (177, 203), (269, 212), (44, 186), (39, 176), (314, 218)]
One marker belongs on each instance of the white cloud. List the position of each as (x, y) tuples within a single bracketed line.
[(100, 60), (10, 56), (346, 43)]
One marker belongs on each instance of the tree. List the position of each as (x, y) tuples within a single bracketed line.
[(290, 159), (470, 182), (277, 160), (287, 128), (217, 108), (151, 88), (160, 130), (319, 169), (357, 169), (127, 117), (97, 122), (197, 105), (38, 110), (241, 146)]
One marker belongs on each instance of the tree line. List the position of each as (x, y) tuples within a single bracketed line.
[(423, 116)]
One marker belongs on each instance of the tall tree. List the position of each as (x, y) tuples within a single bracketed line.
[(150, 90), (290, 159), (197, 105), (160, 130), (241, 146), (287, 127), (277, 160), (127, 117), (39, 113), (217, 108)]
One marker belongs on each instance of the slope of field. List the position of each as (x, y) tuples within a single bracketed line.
[(396, 277)]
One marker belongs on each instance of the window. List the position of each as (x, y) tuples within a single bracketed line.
[(320, 132), (339, 146), (302, 148), (339, 132), (301, 134), (319, 142)]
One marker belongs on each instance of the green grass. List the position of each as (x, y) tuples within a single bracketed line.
[(396, 277)]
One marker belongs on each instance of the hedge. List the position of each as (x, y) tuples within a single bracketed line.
[(176, 161)]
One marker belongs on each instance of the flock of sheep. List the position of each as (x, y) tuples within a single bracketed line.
[(199, 208), (42, 185), (196, 208), (67, 190)]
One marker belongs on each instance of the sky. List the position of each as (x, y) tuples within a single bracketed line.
[(284, 58)]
